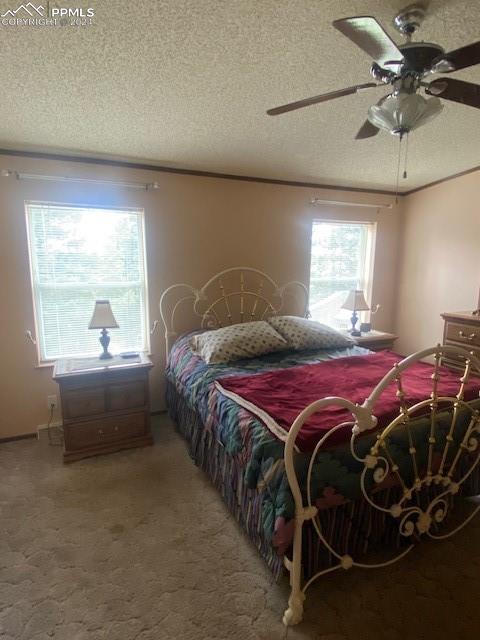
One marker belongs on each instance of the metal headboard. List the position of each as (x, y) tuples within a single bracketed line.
[(235, 295)]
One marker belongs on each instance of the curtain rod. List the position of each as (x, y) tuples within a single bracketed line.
[(374, 205), (144, 186)]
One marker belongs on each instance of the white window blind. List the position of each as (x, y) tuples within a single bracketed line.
[(341, 260), (78, 255)]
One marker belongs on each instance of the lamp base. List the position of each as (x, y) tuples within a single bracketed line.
[(105, 341), (354, 331)]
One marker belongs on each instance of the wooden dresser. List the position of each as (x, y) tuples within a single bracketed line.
[(105, 407), (461, 329)]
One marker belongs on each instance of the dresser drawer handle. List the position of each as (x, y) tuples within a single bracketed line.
[(115, 428), (472, 336), (100, 432)]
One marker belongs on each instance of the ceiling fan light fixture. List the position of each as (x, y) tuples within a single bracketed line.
[(398, 114)]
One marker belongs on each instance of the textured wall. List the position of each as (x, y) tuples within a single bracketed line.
[(440, 259), (194, 228)]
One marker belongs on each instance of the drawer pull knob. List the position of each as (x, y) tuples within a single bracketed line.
[(100, 431), (471, 336), (115, 428)]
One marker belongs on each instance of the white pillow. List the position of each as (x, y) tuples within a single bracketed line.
[(238, 341), (301, 333)]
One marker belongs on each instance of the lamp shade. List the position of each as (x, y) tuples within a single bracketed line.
[(103, 317), (355, 301)]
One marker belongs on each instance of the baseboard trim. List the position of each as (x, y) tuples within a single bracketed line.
[(52, 425), (23, 436)]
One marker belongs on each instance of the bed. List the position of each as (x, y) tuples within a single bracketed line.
[(385, 469)]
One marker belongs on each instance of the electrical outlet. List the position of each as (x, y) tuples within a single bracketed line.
[(52, 402)]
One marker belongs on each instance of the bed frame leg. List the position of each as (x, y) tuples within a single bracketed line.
[(294, 613)]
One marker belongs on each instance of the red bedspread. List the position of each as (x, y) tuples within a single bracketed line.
[(284, 393)]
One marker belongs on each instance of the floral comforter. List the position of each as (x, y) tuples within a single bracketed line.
[(257, 452)]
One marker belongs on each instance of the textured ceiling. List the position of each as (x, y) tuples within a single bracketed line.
[(186, 83)]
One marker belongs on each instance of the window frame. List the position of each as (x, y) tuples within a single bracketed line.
[(48, 362), (370, 249)]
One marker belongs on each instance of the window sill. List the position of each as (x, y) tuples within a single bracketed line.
[(45, 365), (49, 364)]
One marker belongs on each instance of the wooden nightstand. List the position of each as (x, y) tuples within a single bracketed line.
[(461, 329), (375, 340), (105, 405)]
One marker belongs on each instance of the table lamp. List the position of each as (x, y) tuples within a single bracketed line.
[(355, 302), (103, 319)]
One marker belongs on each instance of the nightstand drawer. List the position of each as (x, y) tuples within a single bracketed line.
[(456, 361), (97, 432), (126, 395), (81, 403), (468, 335)]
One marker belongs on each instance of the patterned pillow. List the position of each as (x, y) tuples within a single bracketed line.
[(301, 333), (238, 341)]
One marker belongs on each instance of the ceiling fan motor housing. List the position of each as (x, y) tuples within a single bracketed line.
[(419, 56)]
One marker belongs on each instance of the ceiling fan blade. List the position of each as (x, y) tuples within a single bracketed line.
[(324, 97), (455, 90), (458, 59), (367, 130), (369, 35)]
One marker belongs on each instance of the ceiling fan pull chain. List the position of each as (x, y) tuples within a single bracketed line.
[(400, 138), (406, 159)]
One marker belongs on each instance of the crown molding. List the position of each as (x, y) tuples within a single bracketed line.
[(446, 179), (126, 164), (189, 172)]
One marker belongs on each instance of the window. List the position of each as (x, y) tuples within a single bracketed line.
[(341, 259), (80, 254)]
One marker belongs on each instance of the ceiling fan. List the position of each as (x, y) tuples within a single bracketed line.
[(404, 67)]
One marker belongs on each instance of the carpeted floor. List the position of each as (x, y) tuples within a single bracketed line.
[(138, 546)]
